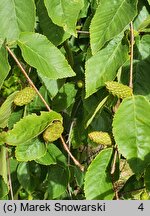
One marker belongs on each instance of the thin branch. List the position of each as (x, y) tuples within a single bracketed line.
[(83, 32), (131, 54), (67, 150), (69, 139), (28, 78), (112, 173), (114, 162), (114, 188), (115, 108), (45, 103)]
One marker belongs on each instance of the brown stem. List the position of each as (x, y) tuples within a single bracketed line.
[(67, 150), (28, 78), (45, 103), (114, 162), (131, 54), (114, 188), (115, 108), (112, 173)]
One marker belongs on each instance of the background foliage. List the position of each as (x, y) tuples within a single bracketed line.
[(69, 50)]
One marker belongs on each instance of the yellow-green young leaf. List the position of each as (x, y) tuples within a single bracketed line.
[(5, 110), (100, 137), (2, 137), (32, 150), (98, 185), (53, 132), (110, 19), (144, 196), (3, 173), (15, 17), (103, 66), (64, 13), (24, 96), (4, 66), (30, 126), (131, 129), (40, 53), (118, 89)]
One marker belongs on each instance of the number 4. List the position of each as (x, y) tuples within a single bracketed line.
[(141, 207)]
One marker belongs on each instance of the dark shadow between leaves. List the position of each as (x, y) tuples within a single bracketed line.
[(60, 102), (138, 166)]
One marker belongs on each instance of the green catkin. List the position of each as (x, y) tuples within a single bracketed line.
[(53, 132), (24, 96), (118, 89), (99, 137)]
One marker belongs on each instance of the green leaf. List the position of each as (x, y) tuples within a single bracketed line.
[(147, 178), (52, 156), (94, 4), (13, 171), (65, 97), (32, 150), (144, 24), (30, 175), (97, 110), (96, 100), (37, 104), (142, 15), (131, 188), (53, 32), (131, 126), (2, 137), (15, 117), (110, 19), (79, 176), (31, 126), (104, 65), (102, 121), (59, 156), (3, 173), (16, 17), (141, 68), (58, 178), (3, 167), (97, 180), (3, 188), (5, 110), (52, 86), (4, 66), (84, 11), (40, 53), (46, 160), (64, 13)]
